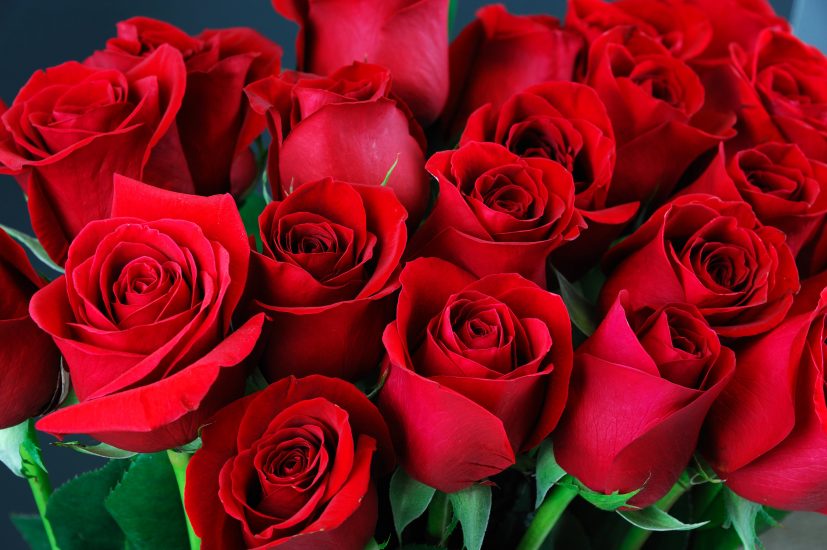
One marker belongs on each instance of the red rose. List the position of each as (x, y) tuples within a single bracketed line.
[(409, 37), (679, 26), (142, 318), (326, 278), (477, 372), (499, 54), (656, 105), (768, 432), (289, 467), (567, 123), (641, 387), (713, 254), (785, 189), (497, 212), (346, 126), (72, 127), (209, 151), (29, 359)]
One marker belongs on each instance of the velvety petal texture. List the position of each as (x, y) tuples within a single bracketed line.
[(290, 466), (29, 360), (329, 267), (142, 317), (641, 388), (477, 371)]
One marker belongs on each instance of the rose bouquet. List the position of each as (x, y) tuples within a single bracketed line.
[(547, 285)]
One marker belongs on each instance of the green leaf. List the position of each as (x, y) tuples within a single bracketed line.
[(655, 519), (409, 500), (265, 188), (548, 471), (10, 441), (147, 507), (609, 503), (31, 529), (190, 447), (250, 209), (581, 311), (33, 245), (472, 507), (101, 449), (452, 14), (77, 513), (390, 171), (742, 514)]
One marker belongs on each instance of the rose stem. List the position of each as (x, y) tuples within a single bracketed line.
[(547, 516), (439, 514), (41, 490), (636, 537), (179, 463)]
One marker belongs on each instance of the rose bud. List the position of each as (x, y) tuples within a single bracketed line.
[(641, 387), (497, 212), (72, 127), (142, 316), (409, 37), (785, 189), (567, 123), (768, 432), (477, 371), (657, 107), (347, 126), (215, 127), (28, 357), (289, 467), (327, 278), (711, 253), (499, 54)]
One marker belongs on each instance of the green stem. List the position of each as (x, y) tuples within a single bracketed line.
[(179, 463), (439, 514), (636, 537), (547, 516), (41, 490)]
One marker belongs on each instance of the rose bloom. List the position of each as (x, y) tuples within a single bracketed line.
[(290, 467), (785, 189), (72, 127), (477, 371), (657, 105), (711, 253), (641, 388), (326, 278), (567, 123), (208, 151), (768, 433), (409, 37), (142, 317), (499, 54), (28, 357), (347, 126), (498, 213)]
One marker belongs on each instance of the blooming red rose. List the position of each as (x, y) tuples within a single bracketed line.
[(567, 123), (142, 318), (641, 387), (785, 189), (29, 360), (289, 467), (656, 105), (326, 278), (497, 212), (347, 126), (713, 254), (73, 126), (409, 37), (499, 54), (679, 26), (477, 371), (768, 432), (209, 150)]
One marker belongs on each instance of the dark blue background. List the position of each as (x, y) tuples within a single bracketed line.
[(35, 34)]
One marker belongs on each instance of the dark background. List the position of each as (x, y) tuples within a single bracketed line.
[(42, 33)]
